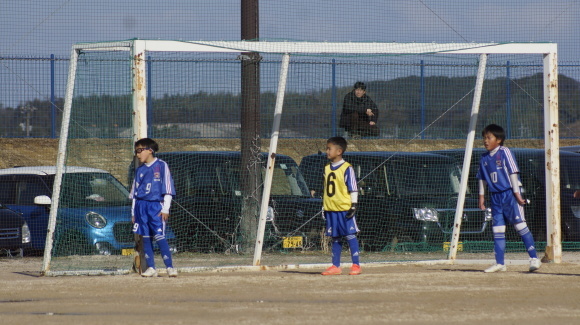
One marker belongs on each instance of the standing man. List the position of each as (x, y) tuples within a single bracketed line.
[(359, 113)]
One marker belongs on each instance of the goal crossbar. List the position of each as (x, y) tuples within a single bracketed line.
[(322, 47)]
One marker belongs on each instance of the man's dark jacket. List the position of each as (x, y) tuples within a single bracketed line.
[(353, 104)]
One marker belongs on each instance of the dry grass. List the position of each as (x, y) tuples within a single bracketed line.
[(114, 155)]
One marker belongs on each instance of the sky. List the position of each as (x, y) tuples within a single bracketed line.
[(33, 28), (40, 27)]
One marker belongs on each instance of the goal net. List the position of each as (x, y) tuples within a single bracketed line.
[(243, 127)]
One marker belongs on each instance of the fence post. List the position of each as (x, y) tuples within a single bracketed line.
[(334, 104), (52, 104), (422, 99), (149, 97), (508, 102)]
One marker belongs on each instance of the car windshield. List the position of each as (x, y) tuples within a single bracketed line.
[(93, 189), (403, 178), (286, 180), (569, 177), (223, 178), (426, 178)]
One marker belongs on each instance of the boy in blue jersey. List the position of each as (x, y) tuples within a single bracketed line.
[(339, 204), (152, 191), (499, 171)]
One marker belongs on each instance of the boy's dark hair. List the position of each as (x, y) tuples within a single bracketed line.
[(338, 141), (360, 84), (147, 143), (497, 131)]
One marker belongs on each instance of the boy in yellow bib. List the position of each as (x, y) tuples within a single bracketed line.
[(339, 205)]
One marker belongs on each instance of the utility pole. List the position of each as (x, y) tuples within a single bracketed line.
[(27, 111), (250, 123)]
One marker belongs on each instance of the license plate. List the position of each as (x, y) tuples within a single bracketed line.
[(292, 242), (127, 251), (447, 244)]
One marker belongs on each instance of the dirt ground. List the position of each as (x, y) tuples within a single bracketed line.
[(386, 294)]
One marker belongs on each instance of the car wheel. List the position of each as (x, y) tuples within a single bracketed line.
[(540, 235), (385, 241), (566, 234), (19, 252)]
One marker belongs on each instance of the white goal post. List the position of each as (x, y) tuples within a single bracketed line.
[(139, 48)]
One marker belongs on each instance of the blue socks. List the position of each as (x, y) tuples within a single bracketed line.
[(148, 249), (500, 243), (337, 249), (528, 240), (353, 244), (165, 252), (499, 247)]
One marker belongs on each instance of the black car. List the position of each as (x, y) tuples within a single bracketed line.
[(531, 163), (206, 213), (14, 232), (575, 149), (400, 193)]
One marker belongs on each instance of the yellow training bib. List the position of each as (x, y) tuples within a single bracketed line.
[(336, 196)]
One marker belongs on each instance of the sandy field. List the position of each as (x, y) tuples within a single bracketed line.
[(383, 294)]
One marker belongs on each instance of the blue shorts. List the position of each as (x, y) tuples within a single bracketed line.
[(506, 209), (148, 220), (337, 225)]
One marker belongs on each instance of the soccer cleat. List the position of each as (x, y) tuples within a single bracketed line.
[(171, 272), (150, 272), (535, 264), (333, 270), (496, 268), (355, 270)]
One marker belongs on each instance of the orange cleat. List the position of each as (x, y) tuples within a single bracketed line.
[(355, 270), (333, 270)]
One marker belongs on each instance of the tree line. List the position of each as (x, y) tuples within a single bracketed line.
[(406, 104)]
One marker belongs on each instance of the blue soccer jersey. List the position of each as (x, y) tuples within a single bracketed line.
[(152, 182), (495, 169)]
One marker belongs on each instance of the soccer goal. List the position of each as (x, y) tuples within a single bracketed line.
[(251, 196)]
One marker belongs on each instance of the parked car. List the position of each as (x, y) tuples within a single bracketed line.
[(206, 213), (94, 211), (575, 149), (14, 232), (400, 193), (532, 174)]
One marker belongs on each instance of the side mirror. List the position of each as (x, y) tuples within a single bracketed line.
[(42, 200)]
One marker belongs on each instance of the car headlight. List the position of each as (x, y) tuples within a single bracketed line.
[(576, 210), (270, 214), (96, 220), (25, 234), (488, 216), (426, 214)]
